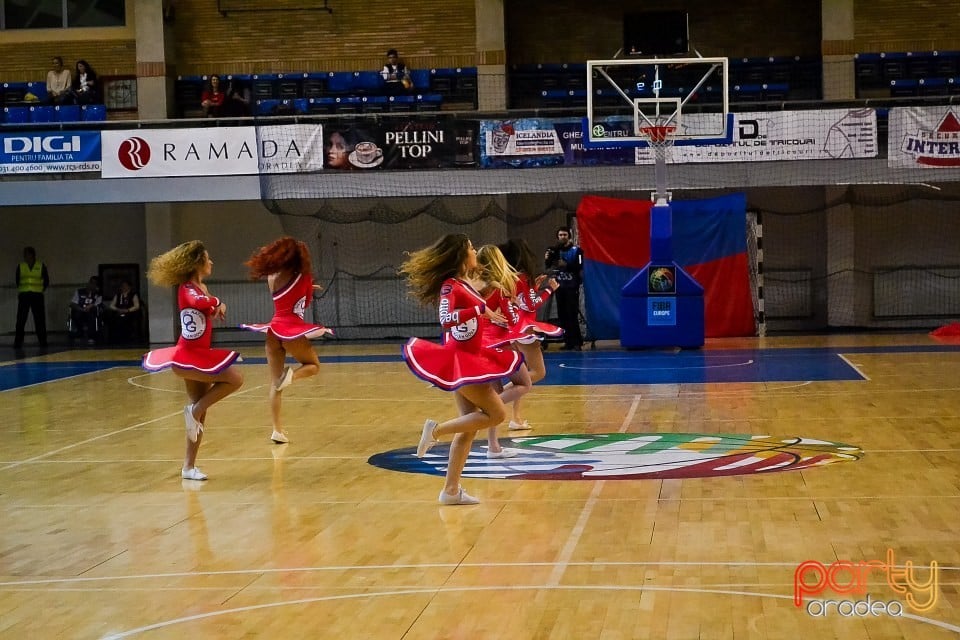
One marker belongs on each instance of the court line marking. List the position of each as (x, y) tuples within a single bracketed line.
[(853, 366), (109, 434), (76, 375), (577, 532), (435, 591), (564, 365)]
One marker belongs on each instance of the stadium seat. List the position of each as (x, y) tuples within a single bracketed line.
[(932, 86), (747, 92), (918, 66), (266, 107), (429, 101), (553, 99), (347, 104), (944, 66), (374, 104), (14, 91), (16, 115), (289, 85), (340, 82), (42, 113), (368, 82), (93, 112), (68, 113), (776, 92), (441, 80), (313, 85), (420, 79), (893, 70), (904, 88), (322, 105), (38, 89), (263, 86), (953, 86), (401, 103), (187, 92)]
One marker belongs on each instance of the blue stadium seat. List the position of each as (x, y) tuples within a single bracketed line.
[(313, 84), (368, 82), (42, 113), (953, 86), (347, 104), (374, 104), (932, 86), (904, 88), (68, 113), (321, 105), (14, 91), (93, 112), (340, 82), (401, 103), (263, 86), (946, 64), (266, 107), (421, 79), (747, 92), (16, 115), (441, 80), (776, 91), (429, 101), (289, 85), (38, 89)]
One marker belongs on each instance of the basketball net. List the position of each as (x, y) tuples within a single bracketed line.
[(660, 139)]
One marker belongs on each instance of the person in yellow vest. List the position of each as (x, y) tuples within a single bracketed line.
[(32, 280)]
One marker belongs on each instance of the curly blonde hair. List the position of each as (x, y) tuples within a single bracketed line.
[(177, 265), (427, 269), (496, 270)]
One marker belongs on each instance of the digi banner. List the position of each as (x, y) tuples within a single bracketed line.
[(924, 137), (214, 151), (400, 144), (49, 152)]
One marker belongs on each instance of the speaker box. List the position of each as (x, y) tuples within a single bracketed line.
[(656, 33)]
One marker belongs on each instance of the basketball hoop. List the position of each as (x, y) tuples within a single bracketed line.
[(659, 136)]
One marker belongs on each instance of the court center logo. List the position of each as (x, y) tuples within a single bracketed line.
[(631, 456)]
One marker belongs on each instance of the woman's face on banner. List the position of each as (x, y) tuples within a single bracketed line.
[(338, 152)]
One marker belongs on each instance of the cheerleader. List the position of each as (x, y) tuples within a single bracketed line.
[(529, 298), (285, 263), (209, 374), (501, 283), (439, 275)]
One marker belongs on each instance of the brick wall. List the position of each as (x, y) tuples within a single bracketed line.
[(428, 33), (916, 25), (26, 62)]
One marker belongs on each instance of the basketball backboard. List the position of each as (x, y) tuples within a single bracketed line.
[(628, 97)]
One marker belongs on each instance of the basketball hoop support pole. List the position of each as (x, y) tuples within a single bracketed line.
[(660, 196)]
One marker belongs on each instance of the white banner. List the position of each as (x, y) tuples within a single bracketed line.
[(924, 137), (765, 136), (214, 151)]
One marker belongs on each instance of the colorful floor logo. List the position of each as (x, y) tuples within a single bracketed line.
[(626, 456)]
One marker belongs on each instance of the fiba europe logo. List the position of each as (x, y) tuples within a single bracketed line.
[(134, 153), (192, 324), (662, 280), (813, 578)]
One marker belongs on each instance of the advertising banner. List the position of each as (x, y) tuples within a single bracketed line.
[(214, 151), (526, 142), (49, 152), (924, 137), (400, 144)]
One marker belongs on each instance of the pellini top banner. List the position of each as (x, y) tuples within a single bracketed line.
[(49, 152), (227, 151)]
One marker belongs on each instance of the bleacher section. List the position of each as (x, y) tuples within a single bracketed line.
[(337, 92), (772, 79), (26, 102), (907, 74)]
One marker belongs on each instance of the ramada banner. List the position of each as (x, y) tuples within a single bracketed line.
[(924, 138)]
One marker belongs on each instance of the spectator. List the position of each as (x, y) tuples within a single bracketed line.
[(59, 81), (85, 308), (32, 280), (124, 318), (212, 98), (396, 76), (237, 101), (564, 262), (85, 87)]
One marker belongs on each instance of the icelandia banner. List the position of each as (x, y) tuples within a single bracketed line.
[(526, 142), (49, 152), (924, 137), (764, 136), (709, 242)]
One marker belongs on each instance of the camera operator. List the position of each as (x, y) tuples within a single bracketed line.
[(564, 261)]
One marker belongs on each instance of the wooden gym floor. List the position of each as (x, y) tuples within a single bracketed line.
[(339, 535)]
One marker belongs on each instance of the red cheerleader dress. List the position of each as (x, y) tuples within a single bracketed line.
[(289, 304), (462, 358), (193, 349), (498, 335), (528, 301)]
